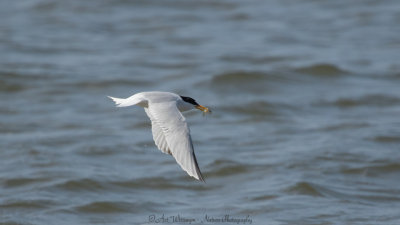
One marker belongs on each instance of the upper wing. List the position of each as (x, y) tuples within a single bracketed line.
[(177, 135)]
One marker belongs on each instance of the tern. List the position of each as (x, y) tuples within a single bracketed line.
[(171, 133)]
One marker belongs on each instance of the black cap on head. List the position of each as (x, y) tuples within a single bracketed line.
[(189, 100)]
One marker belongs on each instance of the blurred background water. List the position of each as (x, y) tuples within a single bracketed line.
[(305, 98)]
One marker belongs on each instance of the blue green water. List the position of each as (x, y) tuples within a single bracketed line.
[(305, 99)]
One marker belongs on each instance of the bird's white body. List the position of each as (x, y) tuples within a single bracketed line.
[(144, 98), (171, 133)]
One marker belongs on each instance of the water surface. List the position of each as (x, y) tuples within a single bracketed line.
[(304, 130)]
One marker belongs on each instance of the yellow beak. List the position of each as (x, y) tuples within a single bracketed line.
[(203, 108)]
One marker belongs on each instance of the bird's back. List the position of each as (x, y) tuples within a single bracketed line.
[(159, 97)]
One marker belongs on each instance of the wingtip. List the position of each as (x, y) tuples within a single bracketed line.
[(202, 180), (200, 176)]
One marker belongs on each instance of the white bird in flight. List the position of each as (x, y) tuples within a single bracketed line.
[(170, 131)]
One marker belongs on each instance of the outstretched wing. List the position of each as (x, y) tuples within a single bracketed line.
[(176, 134), (158, 135)]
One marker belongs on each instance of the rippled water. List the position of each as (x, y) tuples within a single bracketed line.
[(305, 124)]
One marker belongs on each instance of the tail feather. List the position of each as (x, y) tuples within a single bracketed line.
[(119, 102), (124, 102)]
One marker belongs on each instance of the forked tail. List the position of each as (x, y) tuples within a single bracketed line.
[(124, 102), (119, 102)]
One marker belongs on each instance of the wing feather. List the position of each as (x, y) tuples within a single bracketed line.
[(158, 135), (171, 122)]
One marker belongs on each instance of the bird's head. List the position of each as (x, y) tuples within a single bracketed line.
[(195, 104)]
